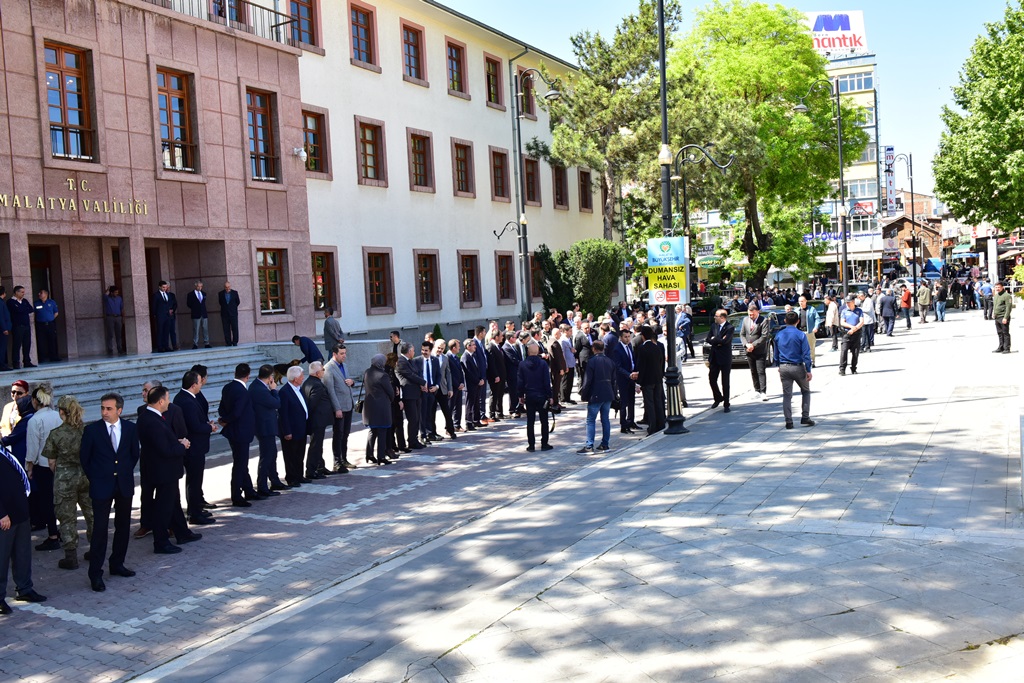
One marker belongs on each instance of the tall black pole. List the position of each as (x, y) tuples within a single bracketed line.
[(913, 225), (842, 190), (675, 419), (524, 242)]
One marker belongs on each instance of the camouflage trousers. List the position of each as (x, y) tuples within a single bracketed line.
[(71, 490)]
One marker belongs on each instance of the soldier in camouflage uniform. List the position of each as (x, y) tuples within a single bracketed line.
[(70, 485)]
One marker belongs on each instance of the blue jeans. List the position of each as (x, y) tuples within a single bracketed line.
[(940, 310), (606, 427)]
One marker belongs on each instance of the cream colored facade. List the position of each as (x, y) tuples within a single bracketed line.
[(353, 223)]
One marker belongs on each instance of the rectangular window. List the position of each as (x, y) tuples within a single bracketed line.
[(270, 273), (303, 21), (586, 192), (313, 140), (428, 287), (462, 168), (866, 188), (531, 181), (370, 152), (380, 294), (67, 99), (469, 279), (414, 65), (175, 109), (323, 280), (528, 92), (262, 149), (231, 10), (499, 175), (855, 82), (421, 160), (456, 64), (505, 275), (560, 183), (492, 74), (363, 32), (536, 279)]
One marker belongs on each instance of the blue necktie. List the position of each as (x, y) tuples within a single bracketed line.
[(17, 466)]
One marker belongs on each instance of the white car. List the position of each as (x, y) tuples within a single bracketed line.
[(909, 282)]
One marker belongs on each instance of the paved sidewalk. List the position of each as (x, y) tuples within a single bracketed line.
[(882, 544)]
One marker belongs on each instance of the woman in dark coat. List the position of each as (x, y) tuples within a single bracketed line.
[(396, 437), (379, 394)]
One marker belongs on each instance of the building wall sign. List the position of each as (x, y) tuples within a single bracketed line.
[(100, 205), (835, 32), (890, 181)]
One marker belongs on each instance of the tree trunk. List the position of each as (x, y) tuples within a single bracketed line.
[(754, 240), (608, 206)]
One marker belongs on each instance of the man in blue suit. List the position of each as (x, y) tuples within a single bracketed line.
[(429, 369), (199, 428), (513, 357), (265, 404), (598, 390), (292, 420), (238, 423), (109, 454), (310, 351), (625, 365)]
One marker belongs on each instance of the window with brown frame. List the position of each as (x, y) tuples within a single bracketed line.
[(456, 58), (260, 123), (469, 279), (313, 140), (421, 162), (462, 168), (586, 192), (537, 279), (529, 101), (270, 274), (499, 175), (531, 181), (505, 272), (67, 99), (560, 181), (370, 152), (428, 287), (176, 125), (323, 280), (380, 295), (303, 21), (364, 49), (492, 71), (412, 53)]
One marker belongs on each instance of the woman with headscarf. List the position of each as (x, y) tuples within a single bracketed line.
[(70, 485), (395, 436), (378, 393)]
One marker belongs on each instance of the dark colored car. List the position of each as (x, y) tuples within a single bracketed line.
[(739, 351)]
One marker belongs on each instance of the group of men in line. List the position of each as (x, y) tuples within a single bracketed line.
[(164, 308), (17, 315)]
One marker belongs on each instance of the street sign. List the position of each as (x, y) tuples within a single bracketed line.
[(667, 269), (890, 181)]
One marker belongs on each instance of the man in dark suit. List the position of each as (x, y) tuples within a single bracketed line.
[(197, 422), (196, 302), (534, 393), (581, 342), (650, 368), (557, 361), (429, 369), (229, 301), (109, 454), (266, 403), (720, 358), (496, 375), (164, 306), (164, 455), (291, 426), (310, 351), (480, 355), (413, 386), (474, 383), (598, 391), (15, 531), (176, 419), (625, 365), (238, 424), (321, 416), (513, 357)]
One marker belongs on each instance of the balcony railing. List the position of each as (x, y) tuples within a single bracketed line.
[(240, 15)]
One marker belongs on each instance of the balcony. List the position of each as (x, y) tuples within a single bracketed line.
[(240, 15)]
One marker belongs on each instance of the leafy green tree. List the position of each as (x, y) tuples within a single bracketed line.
[(594, 267), (979, 168), (555, 289), (738, 74)]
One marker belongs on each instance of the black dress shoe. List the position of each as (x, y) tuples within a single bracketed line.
[(324, 472), (268, 494), (726, 409), (241, 503), (626, 431), (168, 549), (789, 425), (346, 463), (199, 521), (315, 476), (4, 607), (305, 480), (530, 449), (122, 571), (209, 506), (280, 487), (417, 446), (547, 447), (294, 484), (715, 404), (436, 437), (188, 539), (807, 422), (31, 596), (49, 544), (451, 435), (98, 585), (253, 495)]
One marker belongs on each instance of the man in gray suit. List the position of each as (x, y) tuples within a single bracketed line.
[(754, 335), (339, 388), (333, 334)]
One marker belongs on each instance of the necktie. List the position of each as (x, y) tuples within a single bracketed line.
[(17, 466), (113, 438), (344, 375), (199, 295), (629, 352), (164, 295), (426, 364)]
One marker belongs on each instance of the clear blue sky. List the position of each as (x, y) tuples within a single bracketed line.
[(921, 45)]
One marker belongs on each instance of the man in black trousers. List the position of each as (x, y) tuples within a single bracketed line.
[(229, 301), (720, 358), (650, 369), (533, 385), (238, 425), (413, 386), (197, 422), (109, 454), (625, 364)]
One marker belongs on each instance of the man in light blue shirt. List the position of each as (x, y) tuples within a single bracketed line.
[(794, 366), (986, 299)]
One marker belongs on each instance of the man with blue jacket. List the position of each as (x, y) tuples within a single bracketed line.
[(598, 391), (533, 387), (794, 366)]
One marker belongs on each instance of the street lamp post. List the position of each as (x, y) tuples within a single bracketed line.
[(833, 89), (520, 228), (908, 159)]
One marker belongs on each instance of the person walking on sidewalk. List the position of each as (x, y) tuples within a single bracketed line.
[(720, 358), (754, 335), (808, 325), (906, 304), (533, 386), (941, 296), (794, 366), (1002, 304), (924, 300), (887, 309), (867, 335), (852, 320), (598, 391), (832, 320)]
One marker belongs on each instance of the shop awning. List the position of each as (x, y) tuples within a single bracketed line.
[(1010, 254), (964, 255), (961, 249)]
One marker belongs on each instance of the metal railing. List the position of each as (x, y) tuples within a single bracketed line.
[(240, 15)]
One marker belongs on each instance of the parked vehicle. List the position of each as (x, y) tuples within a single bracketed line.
[(739, 351)]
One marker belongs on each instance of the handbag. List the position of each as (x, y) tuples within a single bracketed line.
[(359, 402)]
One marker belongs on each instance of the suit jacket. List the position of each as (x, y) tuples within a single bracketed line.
[(512, 360), (197, 422), (581, 344), (471, 369), (756, 334), (611, 340), (110, 474), (229, 302), (496, 372), (625, 366), (292, 420), (720, 340), (445, 385), (174, 417), (409, 379), (236, 413), (481, 356), (650, 364), (420, 364), (164, 309), (265, 404), (599, 380), (196, 307), (339, 392), (557, 358), (310, 351), (163, 456), (5, 317), (458, 374), (332, 333), (318, 402)]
